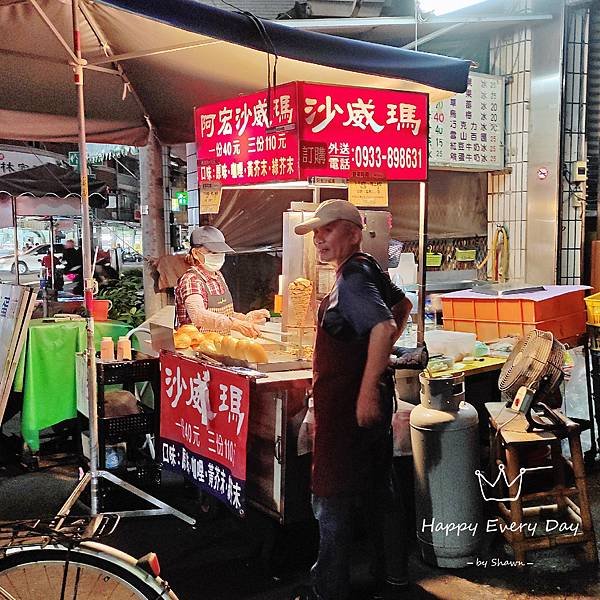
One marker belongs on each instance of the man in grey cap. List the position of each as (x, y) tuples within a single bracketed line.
[(359, 320), (201, 294)]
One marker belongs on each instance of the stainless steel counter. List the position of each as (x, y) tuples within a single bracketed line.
[(448, 281)]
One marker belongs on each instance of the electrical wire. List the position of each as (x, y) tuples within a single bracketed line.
[(503, 425), (269, 49)]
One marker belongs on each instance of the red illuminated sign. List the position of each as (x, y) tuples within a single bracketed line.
[(307, 130), (204, 426)]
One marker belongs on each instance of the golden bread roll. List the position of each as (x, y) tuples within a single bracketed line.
[(240, 349), (255, 353), (212, 335), (181, 340), (217, 344), (227, 345), (237, 350), (192, 331), (206, 347)]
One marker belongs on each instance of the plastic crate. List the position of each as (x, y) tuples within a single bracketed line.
[(514, 310), (563, 328), (119, 427), (592, 304), (126, 371), (462, 255), (433, 259)]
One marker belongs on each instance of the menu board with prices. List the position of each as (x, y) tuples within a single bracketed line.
[(299, 131), (467, 130), (204, 426)]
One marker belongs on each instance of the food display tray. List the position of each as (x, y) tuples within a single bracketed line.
[(278, 361)]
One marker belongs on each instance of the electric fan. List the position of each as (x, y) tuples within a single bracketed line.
[(531, 376)]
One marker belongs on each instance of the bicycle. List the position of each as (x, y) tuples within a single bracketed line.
[(61, 559)]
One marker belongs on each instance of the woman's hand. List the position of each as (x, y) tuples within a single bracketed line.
[(245, 328), (258, 316)]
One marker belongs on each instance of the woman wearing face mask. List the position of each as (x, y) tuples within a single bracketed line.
[(202, 296)]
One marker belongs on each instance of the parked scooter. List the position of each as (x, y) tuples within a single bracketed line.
[(131, 256)]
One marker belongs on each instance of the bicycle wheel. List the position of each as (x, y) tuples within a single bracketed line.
[(38, 575)]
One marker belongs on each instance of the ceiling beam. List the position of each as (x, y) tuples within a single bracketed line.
[(432, 36), (374, 22)]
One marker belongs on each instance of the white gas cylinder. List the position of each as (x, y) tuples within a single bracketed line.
[(445, 447)]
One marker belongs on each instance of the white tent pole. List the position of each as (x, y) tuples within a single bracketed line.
[(88, 281), (55, 31), (52, 255), (108, 50), (421, 282), (16, 239), (154, 52)]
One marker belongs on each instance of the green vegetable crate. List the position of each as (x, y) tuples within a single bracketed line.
[(433, 259), (465, 255)]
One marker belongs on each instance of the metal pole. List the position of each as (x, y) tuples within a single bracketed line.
[(52, 253), (592, 396), (16, 238), (88, 281), (421, 280), (152, 196)]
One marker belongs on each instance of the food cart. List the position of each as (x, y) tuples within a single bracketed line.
[(230, 423)]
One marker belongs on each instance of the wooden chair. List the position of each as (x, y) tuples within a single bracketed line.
[(519, 509)]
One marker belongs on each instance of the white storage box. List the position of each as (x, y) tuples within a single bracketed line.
[(450, 343)]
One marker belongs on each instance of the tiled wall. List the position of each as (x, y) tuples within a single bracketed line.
[(510, 55), (192, 185)]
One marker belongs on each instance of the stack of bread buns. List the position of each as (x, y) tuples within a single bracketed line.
[(214, 344), (185, 336)]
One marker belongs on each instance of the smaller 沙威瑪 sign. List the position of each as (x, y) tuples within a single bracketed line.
[(204, 426)]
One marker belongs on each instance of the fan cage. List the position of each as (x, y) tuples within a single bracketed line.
[(535, 362)]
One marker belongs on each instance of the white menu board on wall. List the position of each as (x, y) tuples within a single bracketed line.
[(466, 131)]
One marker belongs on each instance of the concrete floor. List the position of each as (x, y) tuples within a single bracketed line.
[(220, 559)]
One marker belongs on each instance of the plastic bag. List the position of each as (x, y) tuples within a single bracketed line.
[(306, 434)]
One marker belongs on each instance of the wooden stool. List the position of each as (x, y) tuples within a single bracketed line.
[(571, 521)]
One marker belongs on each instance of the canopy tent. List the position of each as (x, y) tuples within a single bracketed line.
[(46, 180), (160, 59), (158, 75), (48, 190)]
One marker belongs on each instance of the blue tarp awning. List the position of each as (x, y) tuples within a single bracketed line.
[(317, 48), (153, 61)]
